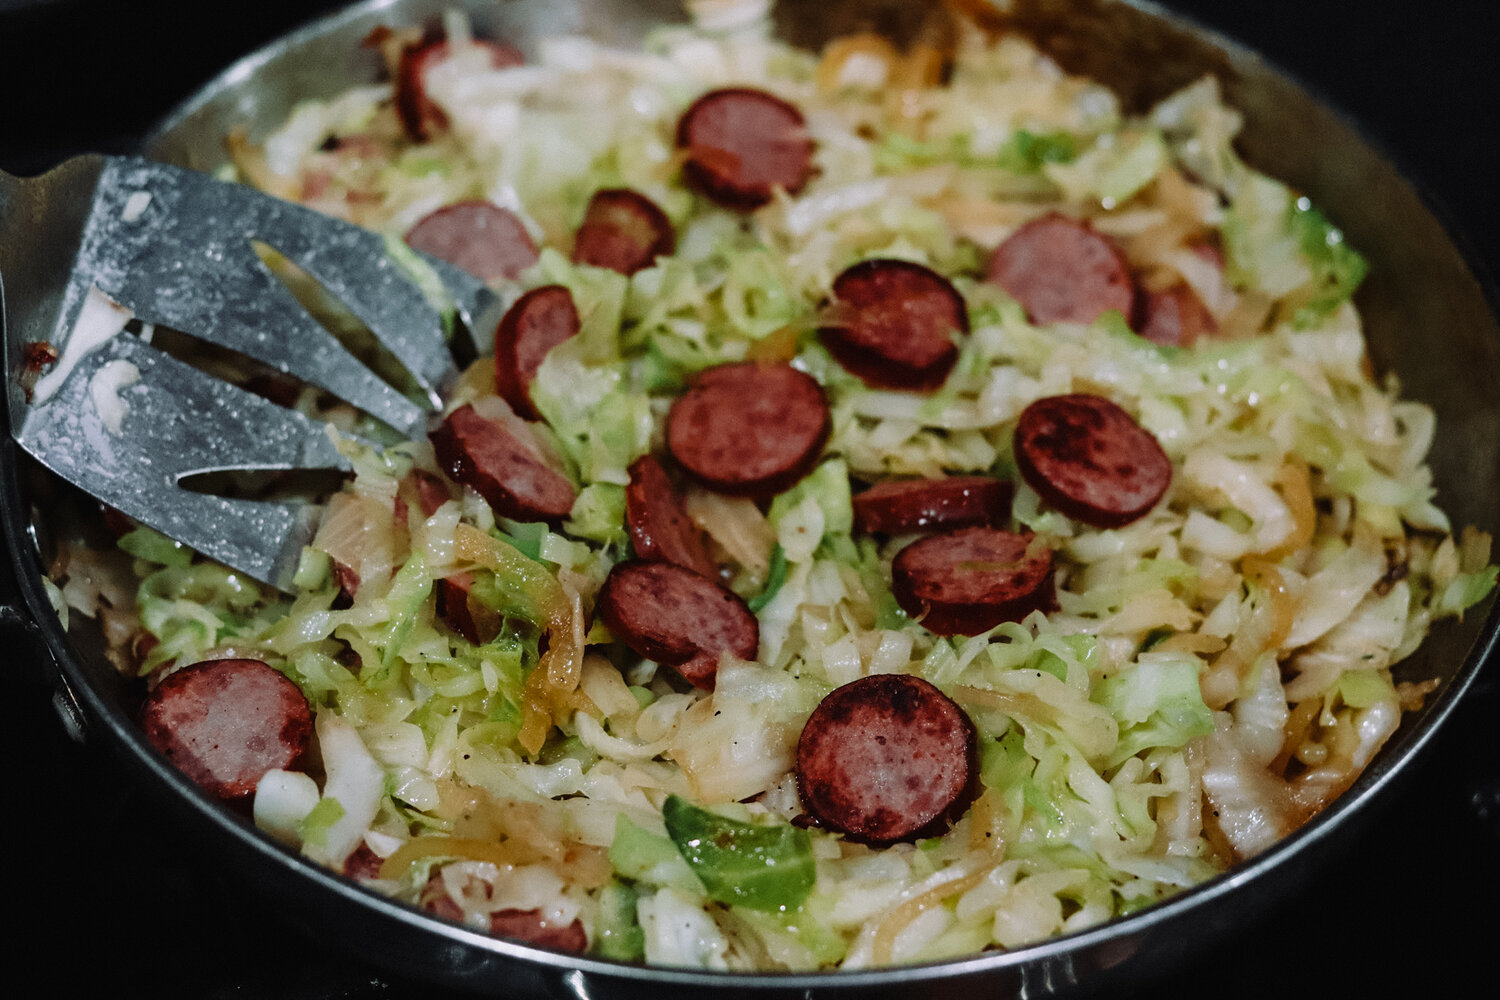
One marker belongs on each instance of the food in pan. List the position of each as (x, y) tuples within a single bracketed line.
[(910, 508)]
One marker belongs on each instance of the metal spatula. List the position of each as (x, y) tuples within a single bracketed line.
[(99, 240)]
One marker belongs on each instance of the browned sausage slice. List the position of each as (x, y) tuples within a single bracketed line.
[(480, 237), (622, 230), (537, 322), (742, 144), (676, 617), (520, 925), (428, 491), (225, 723), (362, 864), (660, 529), (749, 429), (451, 594), (468, 618), (898, 506), (1062, 270), (887, 758), (1175, 317), (431, 491), (507, 471), (420, 115), (1089, 459), (348, 580), (530, 926), (894, 323), (967, 581)]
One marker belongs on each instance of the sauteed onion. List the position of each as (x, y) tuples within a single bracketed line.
[(1209, 674)]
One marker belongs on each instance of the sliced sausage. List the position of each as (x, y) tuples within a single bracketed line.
[(894, 324), (887, 758), (465, 616), (899, 506), (677, 617), (347, 578), (749, 429), (431, 491), (1089, 459), (451, 596), (363, 864), (1062, 270), (622, 230), (479, 237), (420, 116), (532, 928), (660, 529), (428, 491), (742, 144), (507, 471), (225, 723), (967, 581), (1175, 317), (537, 322), (528, 926)]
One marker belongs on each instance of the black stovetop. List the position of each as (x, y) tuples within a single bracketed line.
[(105, 897)]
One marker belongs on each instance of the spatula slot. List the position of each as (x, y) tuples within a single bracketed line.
[(277, 485), (335, 316)]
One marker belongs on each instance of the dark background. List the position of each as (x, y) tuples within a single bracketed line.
[(93, 872)]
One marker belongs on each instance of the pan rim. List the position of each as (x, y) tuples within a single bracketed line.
[(1356, 801)]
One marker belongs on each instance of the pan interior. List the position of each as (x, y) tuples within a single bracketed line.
[(1418, 282)]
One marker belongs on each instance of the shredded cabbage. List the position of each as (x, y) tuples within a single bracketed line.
[(1214, 672)]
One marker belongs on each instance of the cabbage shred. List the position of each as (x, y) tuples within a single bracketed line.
[(1216, 672)]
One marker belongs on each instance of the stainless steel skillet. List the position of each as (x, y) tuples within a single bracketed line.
[(1449, 384)]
